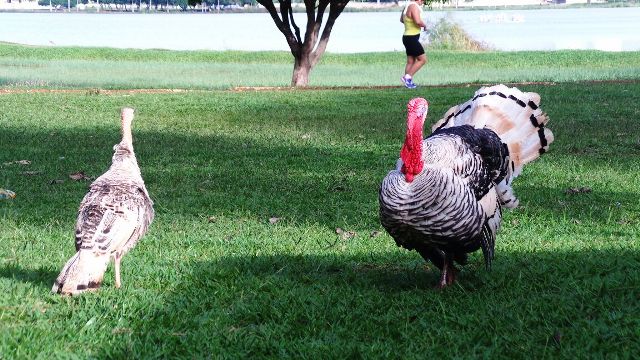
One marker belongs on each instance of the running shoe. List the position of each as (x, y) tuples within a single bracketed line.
[(409, 83)]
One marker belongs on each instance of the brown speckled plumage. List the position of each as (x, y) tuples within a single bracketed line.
[(113, 216)]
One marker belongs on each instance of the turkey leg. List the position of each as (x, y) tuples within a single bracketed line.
[(448, 274), (117, 270)]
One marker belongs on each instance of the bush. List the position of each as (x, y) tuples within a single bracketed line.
[(448, 35)]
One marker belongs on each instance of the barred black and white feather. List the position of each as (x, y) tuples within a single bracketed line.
[(445, 196), (516, 117), (113, 216)]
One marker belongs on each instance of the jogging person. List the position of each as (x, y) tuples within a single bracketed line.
[(411, 17)]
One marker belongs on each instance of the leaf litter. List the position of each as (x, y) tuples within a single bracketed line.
[(79, 176)]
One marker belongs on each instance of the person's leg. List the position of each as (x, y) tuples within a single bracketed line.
[(409, 42), (407, 78), (417, 63), (410, 61)]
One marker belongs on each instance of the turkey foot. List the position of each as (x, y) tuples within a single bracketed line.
[(448, 275)]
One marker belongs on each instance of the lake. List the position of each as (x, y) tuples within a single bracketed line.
[(612, 29)]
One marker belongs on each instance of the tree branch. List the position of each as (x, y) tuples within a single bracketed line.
[(335, 9), (283, 24), (295, 26)]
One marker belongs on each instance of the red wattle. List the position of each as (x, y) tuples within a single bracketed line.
[(411, 153)]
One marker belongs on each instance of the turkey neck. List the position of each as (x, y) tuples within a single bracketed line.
[(411, 153), (127, 119)]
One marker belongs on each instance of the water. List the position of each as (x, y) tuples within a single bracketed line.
[(612, 29)]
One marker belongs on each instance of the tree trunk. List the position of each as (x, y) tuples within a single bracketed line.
[(301, 69)]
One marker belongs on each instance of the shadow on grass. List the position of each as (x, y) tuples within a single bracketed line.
[(195, 175), (376, 306), (39, 277), (215, 174)]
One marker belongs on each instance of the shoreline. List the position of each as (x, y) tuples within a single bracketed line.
[(26, 7)]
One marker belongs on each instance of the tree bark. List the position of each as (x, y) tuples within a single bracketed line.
[(301, 70)]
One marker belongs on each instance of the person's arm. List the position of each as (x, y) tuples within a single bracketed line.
[(414, 13), (402, 16)]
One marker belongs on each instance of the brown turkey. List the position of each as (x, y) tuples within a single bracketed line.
[(113, 216), (445, 196)]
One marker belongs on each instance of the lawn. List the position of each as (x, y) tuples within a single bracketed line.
[(244, 258), (47, 67)]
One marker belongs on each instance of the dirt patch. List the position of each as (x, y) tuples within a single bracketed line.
[(374, 87), (94, 91)]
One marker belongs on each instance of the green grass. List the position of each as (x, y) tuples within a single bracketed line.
[(28, 67), (214, 278)]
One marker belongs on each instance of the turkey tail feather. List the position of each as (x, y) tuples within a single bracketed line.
[(516, 117), (84, 271)]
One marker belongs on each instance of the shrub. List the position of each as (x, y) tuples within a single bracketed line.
[(448, 35)]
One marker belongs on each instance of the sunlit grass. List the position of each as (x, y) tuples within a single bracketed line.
[(214, 277), (29, 67)]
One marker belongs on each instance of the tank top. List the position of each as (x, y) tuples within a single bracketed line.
[(410, 27)]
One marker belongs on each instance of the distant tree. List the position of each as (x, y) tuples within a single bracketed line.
[(307, 50), (56, 3), (219, 2)]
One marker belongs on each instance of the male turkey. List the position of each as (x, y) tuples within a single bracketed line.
[(445, 196), (113, 216)]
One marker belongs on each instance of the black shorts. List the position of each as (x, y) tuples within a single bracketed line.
[(412, 44)]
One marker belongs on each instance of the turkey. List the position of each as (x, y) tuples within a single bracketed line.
[(113, 216), (445, 196)]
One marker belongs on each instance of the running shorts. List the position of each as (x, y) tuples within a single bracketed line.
[(413, 46)]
